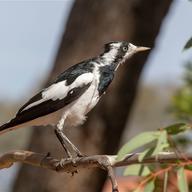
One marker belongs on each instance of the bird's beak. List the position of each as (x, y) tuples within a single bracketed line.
[(138, 49)]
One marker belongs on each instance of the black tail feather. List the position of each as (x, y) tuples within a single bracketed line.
[(4, 126)]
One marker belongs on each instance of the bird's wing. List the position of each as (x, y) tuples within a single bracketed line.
[(75, 71), (51, 99)]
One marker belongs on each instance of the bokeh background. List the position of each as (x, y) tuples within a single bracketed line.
[(31, 38)]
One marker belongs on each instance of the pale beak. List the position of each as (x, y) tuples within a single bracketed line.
[(138, 49)]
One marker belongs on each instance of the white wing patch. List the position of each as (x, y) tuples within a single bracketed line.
[(83, 79), (55, 91), (32, 104), (60, 90)]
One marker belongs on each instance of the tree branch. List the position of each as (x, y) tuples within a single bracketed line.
[(105, 162)]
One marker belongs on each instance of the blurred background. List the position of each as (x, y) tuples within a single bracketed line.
[(40, 39)]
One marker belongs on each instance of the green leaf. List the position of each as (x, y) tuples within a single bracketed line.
[(137, 170), (182, 182), (189, 167), (177, 128), (138, 141), (162, 143), (188, 44), (150, 186)]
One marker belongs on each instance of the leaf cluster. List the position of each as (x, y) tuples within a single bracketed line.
[(150, 144), (182, 100)]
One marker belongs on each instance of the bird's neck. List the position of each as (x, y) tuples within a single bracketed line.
[(110, 59)]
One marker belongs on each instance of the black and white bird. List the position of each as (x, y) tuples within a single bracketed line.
[(73, 94)]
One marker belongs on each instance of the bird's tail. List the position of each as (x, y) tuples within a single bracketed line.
[(6, 127)]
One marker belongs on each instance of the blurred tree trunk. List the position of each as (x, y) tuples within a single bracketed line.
[(91, 24)]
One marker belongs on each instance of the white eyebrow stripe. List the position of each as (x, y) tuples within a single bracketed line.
[(60, 90)]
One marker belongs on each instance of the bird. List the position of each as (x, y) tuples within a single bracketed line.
[(67, 101)]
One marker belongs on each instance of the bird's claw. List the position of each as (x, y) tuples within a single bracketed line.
[(81, 155), (68, 160)]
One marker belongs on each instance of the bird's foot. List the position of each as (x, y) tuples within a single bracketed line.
[(74, 158), (79, 154), (65, 161)]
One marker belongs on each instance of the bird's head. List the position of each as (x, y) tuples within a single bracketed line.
[(118, 52)]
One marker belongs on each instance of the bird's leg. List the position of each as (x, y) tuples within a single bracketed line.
[(79, 154), (60, 136), (63, 140)]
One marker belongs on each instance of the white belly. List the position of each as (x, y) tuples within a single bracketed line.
[(76, 112)]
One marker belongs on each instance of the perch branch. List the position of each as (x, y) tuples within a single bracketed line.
[(105, 162)]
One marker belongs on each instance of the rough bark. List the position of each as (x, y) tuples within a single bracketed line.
[(91, 24)]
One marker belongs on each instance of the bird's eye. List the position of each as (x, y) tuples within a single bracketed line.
[(125, 49)]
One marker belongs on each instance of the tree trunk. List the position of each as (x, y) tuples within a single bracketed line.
[(91, 24)]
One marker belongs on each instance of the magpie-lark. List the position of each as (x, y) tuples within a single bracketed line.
[(73, 94)]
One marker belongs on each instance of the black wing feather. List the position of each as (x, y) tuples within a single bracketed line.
[(75, 71), (45, 108), (51, 106), (35, 98)]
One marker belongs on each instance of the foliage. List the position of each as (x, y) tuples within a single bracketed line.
[(182, 181), (154, 142), (188, 44), (182, 101), (150, 144)]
